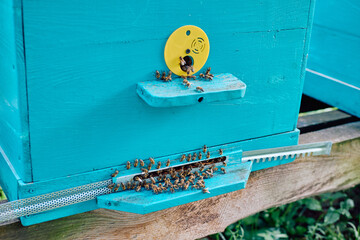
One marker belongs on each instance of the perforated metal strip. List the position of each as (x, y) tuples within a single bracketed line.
[(37, 204)]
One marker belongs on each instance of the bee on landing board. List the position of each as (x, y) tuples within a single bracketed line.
[(221, 151), (204, 149), (117, 187), (142, 163), (128, 165), (115, 173), (136, 162), (205, 190), (199, 89)]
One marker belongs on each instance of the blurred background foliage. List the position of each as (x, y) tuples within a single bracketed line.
[(327, 216)]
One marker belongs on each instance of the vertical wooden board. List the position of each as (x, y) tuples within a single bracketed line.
[(83, 61), (341, 16), (335, 54), (13, 106)]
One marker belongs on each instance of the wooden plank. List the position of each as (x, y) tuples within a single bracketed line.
[(266, 188)]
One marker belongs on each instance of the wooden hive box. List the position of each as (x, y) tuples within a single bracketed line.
[(70, 114), (333, 69)]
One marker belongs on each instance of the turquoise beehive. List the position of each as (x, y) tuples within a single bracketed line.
[(79, 98)]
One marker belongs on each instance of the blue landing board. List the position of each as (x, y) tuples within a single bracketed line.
[(223, 87), (144, 202)]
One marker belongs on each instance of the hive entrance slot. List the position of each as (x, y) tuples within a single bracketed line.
[(189, 61), (184, 167)]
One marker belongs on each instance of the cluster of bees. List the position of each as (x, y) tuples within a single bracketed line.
[(188, 69), (178, 178)]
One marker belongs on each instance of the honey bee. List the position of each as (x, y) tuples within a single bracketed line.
[(117, 187), (223, 170), (152, 160), (153, 180), (182, 62), (138, 179), (176, 181), (197, 174), (111, 186), (155, 190), (176, 187), (158, 165), (157, 74), (136, 162), (128, 165), (163, 75), (188, 70), (115, 173), (168, 77), (209, 76), (186, 186), (202, 75), (168, 162), (201, 168), (200, 89), (142, 163), (225, 164), (146, 186), (208, 70), (138, 188), (221, 151), (128, 185), (149, 166), (215, 169), (172, 190), (123, 186), (204, 149), (192, 77), (144, 170), (182, 157), (186, 83), (208, 154), (200, 156), (205, 190), (194, 157)]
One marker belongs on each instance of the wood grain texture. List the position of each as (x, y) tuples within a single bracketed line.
[(265, 189), (84, 59)]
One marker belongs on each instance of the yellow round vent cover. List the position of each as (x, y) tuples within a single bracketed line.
[(190, 43)]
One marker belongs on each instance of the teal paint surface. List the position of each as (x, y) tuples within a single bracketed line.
[(13, 107), (84, 61), (334, 56), (70, 113)]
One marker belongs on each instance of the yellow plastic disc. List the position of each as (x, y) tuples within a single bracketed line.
[(189, 42)]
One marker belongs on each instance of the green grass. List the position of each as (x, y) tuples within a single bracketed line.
[(328, 216), (2, 195)]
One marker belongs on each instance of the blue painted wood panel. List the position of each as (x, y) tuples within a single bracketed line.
[(14, 136), (334, 55), (84, 60)]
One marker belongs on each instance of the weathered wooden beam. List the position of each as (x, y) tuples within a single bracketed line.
[(266, 188)]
